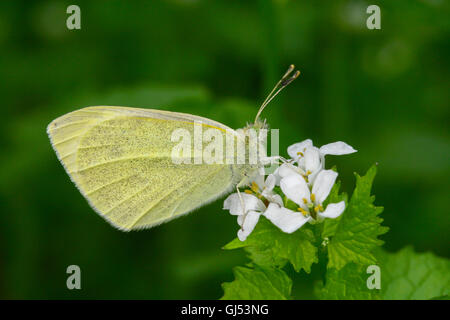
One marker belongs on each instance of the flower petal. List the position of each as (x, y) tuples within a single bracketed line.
[(276, 198), (250, 221), (301, 163), (286, 169), (323, 184), (333, 210), (259, 180), (270, 182), (283, 171), (336, 148), (312, 159), (312, 176), (233, 203), (242, 235), (272, 196), (287, 220), (295, 188), (298, 147)]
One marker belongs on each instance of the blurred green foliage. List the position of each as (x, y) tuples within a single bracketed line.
[(385, 92)]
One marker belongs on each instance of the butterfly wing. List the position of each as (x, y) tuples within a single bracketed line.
[(121, 161)]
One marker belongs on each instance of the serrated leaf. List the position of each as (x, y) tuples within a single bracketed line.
[(410, 275), (356, 235), (259, 283), (269, 246), (265, 257), (349, 283)]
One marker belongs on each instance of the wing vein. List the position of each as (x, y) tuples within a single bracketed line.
[(147, 157), (113, 161), (68, 125), (108, 184), (168, 194), (126, 199), (65, 140)]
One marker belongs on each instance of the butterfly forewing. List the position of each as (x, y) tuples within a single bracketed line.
[(121, 160)]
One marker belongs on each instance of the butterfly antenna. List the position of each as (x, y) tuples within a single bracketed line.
[(283, 83)]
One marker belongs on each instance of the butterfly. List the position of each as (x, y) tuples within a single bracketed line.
[(123, 162)]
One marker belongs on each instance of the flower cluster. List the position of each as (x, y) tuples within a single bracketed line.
[(294, 194)]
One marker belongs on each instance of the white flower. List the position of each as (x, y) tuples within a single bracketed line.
[(253, 205), (302, 180), (264, 188), (248, 219), (310, 159), (310, 203)]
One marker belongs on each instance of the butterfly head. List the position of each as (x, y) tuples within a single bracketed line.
[(259, 127)]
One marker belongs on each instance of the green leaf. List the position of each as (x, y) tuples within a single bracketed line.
[(349, 283), (356, 235), (260, 283), (410, 275), (269, 246)]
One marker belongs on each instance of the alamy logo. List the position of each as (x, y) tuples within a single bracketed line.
[(74, 280), (374, 20), (205, 144), (74, 20), (374, 281)]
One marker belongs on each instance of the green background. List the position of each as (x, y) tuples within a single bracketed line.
[(385, 92)]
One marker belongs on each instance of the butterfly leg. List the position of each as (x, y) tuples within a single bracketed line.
[(244, 213), (278, 158), (274, 160)]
